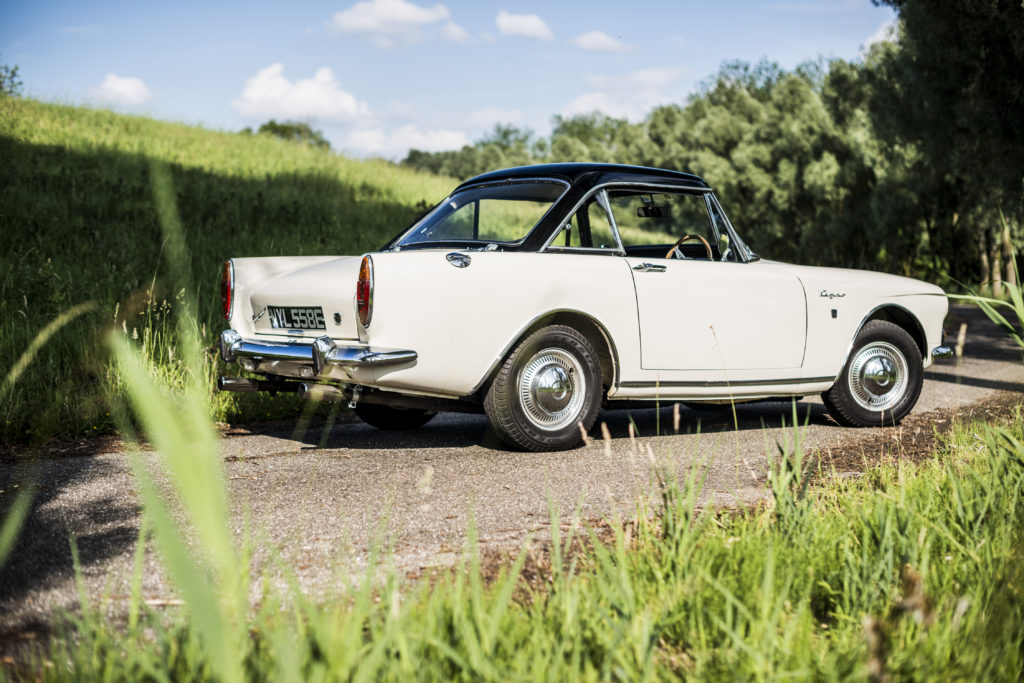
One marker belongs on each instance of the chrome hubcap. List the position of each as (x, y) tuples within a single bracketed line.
[(878, 376), (552, 388)]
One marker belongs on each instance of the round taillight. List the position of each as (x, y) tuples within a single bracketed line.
[(364, 292), (227, 288)]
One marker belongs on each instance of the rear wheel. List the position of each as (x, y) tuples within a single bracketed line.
[(547, 387), (881, 380), (391, 418)]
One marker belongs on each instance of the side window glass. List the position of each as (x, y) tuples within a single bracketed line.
[(650, 223), (456, 225), (569, 236), (600, 229), (726, 249)]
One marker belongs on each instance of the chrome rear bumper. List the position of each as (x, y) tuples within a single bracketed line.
[(942, 353), (317, 356)]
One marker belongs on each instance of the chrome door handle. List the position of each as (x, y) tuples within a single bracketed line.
[(649, 268), (458, 260)]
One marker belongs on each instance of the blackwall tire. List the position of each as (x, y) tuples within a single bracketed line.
[(393, 419), (547, 387), (881, 380)]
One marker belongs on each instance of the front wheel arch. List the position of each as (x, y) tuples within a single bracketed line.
[(902, 318)]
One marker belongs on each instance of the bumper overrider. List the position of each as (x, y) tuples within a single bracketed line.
[(316, 357)]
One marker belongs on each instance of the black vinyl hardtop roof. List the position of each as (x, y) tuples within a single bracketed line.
[(581, 178), (590, 174)]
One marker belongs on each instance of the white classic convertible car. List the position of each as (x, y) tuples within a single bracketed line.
[(541, 294)]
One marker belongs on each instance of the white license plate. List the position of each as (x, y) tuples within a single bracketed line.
[(296, 317)]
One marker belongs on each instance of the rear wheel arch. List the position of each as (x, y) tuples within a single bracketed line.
[(586, 325)]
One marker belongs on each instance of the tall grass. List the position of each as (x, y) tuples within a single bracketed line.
[(911, 571), (994, 308), (77, 223)]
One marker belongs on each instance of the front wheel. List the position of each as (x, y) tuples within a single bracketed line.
[(547, 387), (881, 380)]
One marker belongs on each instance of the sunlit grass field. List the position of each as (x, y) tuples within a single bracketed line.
[(78, 224)]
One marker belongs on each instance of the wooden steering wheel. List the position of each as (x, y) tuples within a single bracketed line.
[(691, 236)]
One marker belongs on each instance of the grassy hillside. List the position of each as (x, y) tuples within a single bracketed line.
[(78, 223)]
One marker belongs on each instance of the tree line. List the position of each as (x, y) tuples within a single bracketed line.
[(909, 160)]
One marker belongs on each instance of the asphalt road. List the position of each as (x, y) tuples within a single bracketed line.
[(313, 509)]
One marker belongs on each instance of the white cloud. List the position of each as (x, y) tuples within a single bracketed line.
[(599, 41), (525, 25), (386, 16), (123, 90), (385, 20), (885, 32), (270, 94), (395, 143), (631, 95), (454, 33)]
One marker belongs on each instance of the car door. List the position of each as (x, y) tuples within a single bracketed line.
[(697, 310)]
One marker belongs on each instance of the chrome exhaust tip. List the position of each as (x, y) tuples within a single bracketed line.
[(322, 392), (240, 384)]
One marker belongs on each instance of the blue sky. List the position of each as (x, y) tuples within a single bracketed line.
[(381, 76)]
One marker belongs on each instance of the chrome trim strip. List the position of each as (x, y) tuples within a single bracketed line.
[(744, 250), (348, 356), (942, 353), (602, 201), (725, 383), (321, 353)]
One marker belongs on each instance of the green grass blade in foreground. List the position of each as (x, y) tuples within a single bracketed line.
[(40, 340), (12, 522), (19, 509), (191, 456), (989, 305)]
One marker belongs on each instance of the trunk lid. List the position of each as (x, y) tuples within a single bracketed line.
[(309, 301)]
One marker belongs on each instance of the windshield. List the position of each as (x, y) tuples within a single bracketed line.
[(490, 214)]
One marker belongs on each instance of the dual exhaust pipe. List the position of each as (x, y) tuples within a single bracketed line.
[(350, 394), (319, 392)]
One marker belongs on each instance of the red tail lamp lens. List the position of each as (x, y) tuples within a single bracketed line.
[(227, 288), (364, 292)]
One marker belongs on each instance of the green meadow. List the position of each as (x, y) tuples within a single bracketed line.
[(78, 225)]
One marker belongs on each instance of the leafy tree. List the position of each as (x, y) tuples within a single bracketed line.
[(295, 131), (10, 82), (951, 88), (504, 146), (593, 137)]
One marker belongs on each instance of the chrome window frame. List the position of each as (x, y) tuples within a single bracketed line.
[(494, 183), (602, 200), (744, 251), (746, 256)]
